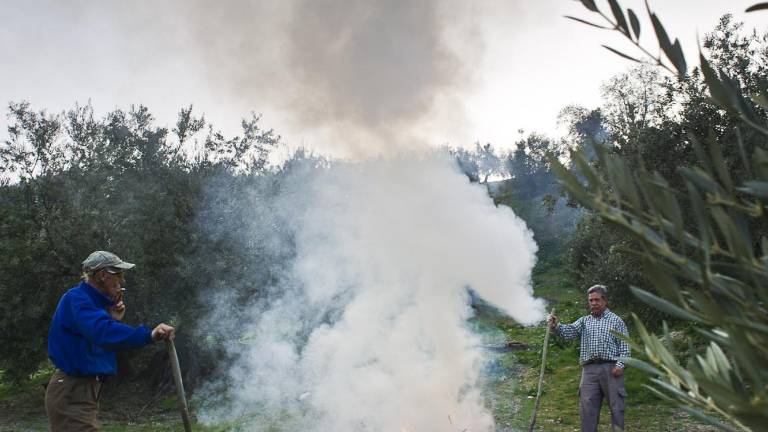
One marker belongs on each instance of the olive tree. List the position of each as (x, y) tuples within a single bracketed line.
[(703, 243)]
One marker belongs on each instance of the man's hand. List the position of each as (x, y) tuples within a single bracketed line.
[(117, 312), (617, 371), (552, 321), (163, 332)]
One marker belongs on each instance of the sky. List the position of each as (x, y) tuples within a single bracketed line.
[(339, 77)]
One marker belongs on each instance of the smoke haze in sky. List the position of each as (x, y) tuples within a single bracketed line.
[(328, 73), (361, 77), (364, 76)]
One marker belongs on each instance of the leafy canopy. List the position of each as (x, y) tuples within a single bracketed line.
[(697, 240)]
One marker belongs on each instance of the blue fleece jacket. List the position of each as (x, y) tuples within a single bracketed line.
[(83, 337)]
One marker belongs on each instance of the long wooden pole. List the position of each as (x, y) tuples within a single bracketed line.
[(541, 374), (171, 348)]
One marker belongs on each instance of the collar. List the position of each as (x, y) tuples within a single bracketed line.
[(96, 295)]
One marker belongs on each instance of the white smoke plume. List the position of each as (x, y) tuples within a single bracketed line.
[(368, 332)]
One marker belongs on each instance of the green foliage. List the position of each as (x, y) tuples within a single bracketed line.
[(701, 239), (650, 120), (528, 186), (74, 184), (533, 193), (597, 254)]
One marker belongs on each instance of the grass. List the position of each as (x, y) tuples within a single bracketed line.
[(22, 408), (558, 410), (510, 388)]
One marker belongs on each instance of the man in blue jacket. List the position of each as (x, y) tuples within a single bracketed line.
[(85, 334)]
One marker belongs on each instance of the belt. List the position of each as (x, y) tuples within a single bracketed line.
[(598, 361), (97, 378)]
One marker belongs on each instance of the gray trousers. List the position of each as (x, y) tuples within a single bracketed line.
[(597, 383)]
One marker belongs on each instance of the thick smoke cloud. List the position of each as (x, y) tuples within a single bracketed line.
[(363, 75), (373, 67), (353, 78), (367, 330)]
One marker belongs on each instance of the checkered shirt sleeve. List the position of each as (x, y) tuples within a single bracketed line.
[(597, 342)]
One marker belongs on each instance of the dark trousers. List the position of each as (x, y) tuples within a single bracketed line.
[(597, 383), (72, 403)]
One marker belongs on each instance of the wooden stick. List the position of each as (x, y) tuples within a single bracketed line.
[(171, 348), (541, 374)]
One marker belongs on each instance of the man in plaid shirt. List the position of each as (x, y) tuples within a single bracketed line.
[(602, 375)]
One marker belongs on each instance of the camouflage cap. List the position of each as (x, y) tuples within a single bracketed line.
[(101, 259)]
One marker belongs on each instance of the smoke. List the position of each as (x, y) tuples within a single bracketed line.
[(374, 68), (366, 76), (366, 330), (359, 271), (349, 78)]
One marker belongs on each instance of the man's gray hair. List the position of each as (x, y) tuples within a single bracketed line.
[(600, 289)]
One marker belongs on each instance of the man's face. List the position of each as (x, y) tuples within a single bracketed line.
[(112, 282), (597, 303)]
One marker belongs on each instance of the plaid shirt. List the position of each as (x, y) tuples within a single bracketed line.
[(597, 342)]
